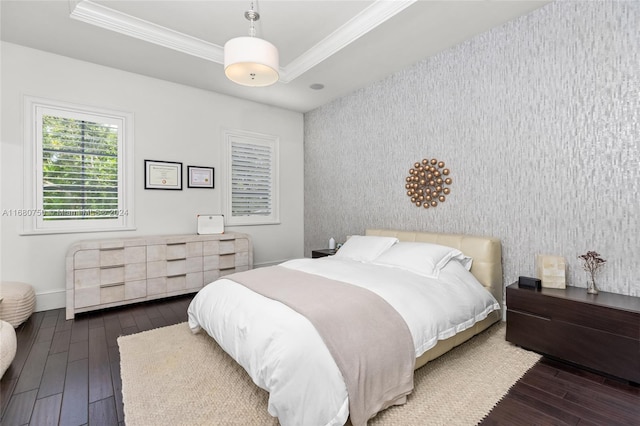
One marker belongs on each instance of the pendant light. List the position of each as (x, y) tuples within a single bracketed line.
[(251, 61)]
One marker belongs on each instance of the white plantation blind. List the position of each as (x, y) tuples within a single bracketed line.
[(80, 170), (253, 178)]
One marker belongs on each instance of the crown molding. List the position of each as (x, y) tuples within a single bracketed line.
[(110, 19), (113, 20), (371, 17)]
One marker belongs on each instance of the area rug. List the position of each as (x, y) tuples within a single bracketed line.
[(173, 377)]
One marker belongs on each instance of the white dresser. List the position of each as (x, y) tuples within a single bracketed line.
[(111, 272)]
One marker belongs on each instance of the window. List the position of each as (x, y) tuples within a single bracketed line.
[(251, 170), (79, 168)]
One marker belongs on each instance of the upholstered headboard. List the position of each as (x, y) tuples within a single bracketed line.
[(485, 251)]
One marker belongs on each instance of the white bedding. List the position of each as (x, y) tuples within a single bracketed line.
[(284, 354)]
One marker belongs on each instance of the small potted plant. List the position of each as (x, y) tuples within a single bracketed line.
[(592, 262)]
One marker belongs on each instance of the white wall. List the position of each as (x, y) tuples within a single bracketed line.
[(172, 123), (539, 123)]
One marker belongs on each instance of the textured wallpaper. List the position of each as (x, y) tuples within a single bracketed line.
[(538, 121)]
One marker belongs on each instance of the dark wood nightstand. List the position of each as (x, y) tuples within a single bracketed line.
[(322, 253), (601, 332)]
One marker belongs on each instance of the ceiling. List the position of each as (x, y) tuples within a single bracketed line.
[(342, 45)]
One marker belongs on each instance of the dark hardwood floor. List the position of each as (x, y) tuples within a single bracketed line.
[(68, 373)]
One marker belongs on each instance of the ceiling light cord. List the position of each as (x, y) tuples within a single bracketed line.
[(252, 16)]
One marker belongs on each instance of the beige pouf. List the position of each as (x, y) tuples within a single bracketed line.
[(18, 302), (8, 346)]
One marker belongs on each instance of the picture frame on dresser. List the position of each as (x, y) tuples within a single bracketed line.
[(162, 175)]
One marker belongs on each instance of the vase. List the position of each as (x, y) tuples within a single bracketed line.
[(591, 285)]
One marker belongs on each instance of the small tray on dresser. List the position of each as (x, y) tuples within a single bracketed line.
[(601, 332)]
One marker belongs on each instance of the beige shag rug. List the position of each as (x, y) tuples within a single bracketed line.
[(172, 377)]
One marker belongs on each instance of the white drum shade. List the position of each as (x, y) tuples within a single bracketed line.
[(251, 61)]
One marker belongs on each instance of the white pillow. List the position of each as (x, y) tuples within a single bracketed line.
[(425, 259), (364, 248)]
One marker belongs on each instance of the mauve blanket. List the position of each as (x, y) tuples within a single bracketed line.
[(368, 339)]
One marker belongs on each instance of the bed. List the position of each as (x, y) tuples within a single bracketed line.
[(445, 288)]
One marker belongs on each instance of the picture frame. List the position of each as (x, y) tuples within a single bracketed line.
[(162, 175), (200, 177)]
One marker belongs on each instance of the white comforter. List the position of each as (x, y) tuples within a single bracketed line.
[(284, 354)]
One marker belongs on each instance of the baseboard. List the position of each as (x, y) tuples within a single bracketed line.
[(51, 300)]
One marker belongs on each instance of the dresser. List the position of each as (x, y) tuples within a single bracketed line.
[(111, 272), (600, 331)]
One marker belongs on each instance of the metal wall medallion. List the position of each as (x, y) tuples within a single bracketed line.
[(427, 183)]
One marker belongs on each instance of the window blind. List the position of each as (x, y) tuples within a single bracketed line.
[(79, 169), (251, 179)]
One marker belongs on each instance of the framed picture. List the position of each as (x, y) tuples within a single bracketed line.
[(162, 175), (200, 177)]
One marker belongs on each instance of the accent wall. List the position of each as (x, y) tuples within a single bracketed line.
[(538, 121)]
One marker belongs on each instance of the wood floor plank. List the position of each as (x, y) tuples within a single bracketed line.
[(78, 350), (126, 320), (112, 330), (80, 329), (31, 374), (538, 397), (25, 337), (62, 324), (143, 322), (100, 386), (512, 412), (20, 408), (60, 342), (7, 385), (46, 411), (75, 399), (45, 334), (522, 394), (95, 321), (50, 319), (103, 413), (117, 388), (53, 377)]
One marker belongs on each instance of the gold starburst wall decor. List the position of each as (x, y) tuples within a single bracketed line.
[(427, 183)]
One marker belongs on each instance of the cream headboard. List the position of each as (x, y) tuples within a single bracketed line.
[(485, 251)]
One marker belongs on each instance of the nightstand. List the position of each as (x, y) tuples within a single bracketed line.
[(322, 253), (601, 332)]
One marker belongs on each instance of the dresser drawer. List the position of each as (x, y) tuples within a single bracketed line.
[(548, 305), (227, 247), (227, 261), (176, 251)]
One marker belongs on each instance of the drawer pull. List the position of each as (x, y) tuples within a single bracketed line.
[(176, 244), (111, 248), (176, 259), (111, 285), (176, 276), (112, 266)]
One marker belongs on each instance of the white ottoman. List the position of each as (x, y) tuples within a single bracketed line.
[(8, 345), (18, 302)]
